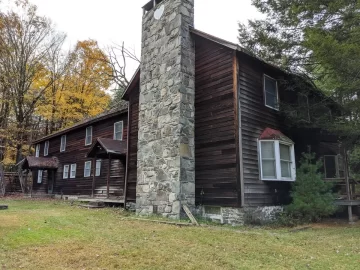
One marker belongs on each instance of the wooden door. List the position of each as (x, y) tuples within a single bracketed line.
[(51, 180)]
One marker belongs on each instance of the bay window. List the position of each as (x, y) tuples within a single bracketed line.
[(277, 160)]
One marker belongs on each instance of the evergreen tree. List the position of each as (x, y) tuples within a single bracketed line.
[(313, 198), (319, 39)]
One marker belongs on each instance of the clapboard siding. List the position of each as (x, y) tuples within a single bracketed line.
[(255, 117), (40, 188), (215, 146), (133, 141), (75, 154)]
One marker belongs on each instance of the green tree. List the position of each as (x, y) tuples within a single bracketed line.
[(319, 39), (313, 198)]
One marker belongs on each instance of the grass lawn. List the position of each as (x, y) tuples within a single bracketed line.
[(57, 235)]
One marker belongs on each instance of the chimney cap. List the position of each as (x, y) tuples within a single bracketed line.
[(151, 4)]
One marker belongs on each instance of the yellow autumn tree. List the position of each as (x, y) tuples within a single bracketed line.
[(81, 91)]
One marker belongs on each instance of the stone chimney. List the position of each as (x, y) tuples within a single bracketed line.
[(166, 161)]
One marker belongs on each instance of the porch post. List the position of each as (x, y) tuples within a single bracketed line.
[(108, 176), (93, 180), (52, 181), (347, 183)]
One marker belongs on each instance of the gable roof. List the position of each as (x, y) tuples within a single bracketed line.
[(233, 46), (136, 77), (109, 146), (32, 162), (133, 82), (102, 116)]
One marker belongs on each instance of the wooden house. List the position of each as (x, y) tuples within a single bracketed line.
[(90, 158), (204, 127)]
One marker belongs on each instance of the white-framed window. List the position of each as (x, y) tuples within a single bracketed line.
[(88, 136), (118, 131), (37, 150), (87, 169), (73, 171), (271, 94), (40, 176), (277, 160), (98, 167), (333, 167), (63, 143), (46, 149), (66, 172)]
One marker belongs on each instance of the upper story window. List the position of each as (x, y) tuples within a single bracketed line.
[(63, 143), (46, 149), (271, 94), (118, 131), (333, 166), (37, 150), (73, 171), (87, 169), (276, 157), (88, 136)]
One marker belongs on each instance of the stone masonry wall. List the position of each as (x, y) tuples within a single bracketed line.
[(166, 165)]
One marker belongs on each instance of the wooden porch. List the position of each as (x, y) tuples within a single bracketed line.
[(112, 150), (88, 199)]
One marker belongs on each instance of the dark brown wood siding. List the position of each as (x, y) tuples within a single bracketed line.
[(40, 188), (255, 117), (133, 141), (75, 154), (215, 144)]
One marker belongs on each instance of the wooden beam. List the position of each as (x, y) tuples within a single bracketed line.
[(347, 182), (53, 181), (108, 178), (190, 215)]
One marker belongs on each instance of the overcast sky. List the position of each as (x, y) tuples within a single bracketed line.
[(114, 21)]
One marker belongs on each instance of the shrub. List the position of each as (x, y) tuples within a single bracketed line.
[(313, 198)]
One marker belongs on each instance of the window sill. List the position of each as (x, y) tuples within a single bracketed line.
[(279, 180), (275, 109)]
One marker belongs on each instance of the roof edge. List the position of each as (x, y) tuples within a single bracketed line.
[(77, 126), (234, 47), (135, 78)]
